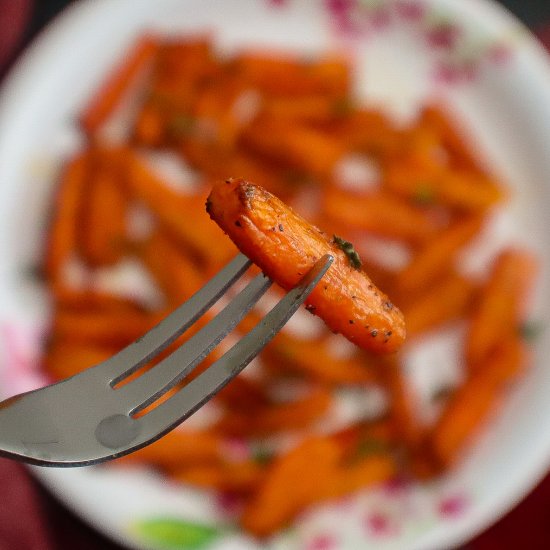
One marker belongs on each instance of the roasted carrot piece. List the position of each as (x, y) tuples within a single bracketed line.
[(102, 233), (64, 359), (181, 215), (457, 189), (403, 404), (63, 235), (472, 403), (296, 146), (380, 213), (278, 75), (234, 477), (174, 271), (106, 100), (304, 469), (274, 418), (313, 359), (463, 152), (181, 448), (110, 327), (438, 256), (501, 303), (445, 300), (377, 468), (285, 247)]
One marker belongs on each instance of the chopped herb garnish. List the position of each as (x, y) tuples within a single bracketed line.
[(181, 125), (262, 456), (369, 446), (342, 107), (424, 194), (348, 250), (531, 330), (442, 394)]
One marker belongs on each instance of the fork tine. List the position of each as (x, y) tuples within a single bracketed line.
[(142, 350), (147, 388), (192, 396)]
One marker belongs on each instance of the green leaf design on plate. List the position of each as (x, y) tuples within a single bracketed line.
[(176, 534)]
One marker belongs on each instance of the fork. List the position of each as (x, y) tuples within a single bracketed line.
[(91, 418)]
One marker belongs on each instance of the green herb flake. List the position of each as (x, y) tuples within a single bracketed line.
[(442, 394), (348, 250), (368, 447), (181, 125), (424, 194), (531, 330)]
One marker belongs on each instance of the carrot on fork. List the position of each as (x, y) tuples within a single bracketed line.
[(285, 247)]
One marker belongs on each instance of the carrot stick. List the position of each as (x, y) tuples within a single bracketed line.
[(106, 100), (63, 234), (103, 225), (444, 301), (286, 247), (472, 403), (502, 303), (173, 270), (380, 213), (437, 257)]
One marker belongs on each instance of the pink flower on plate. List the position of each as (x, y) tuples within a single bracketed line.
[(277, 3), (380, 18), (229, 504), (452, 506), (443, 36), (380, 524), (500, 53), (22, 349), (322, 542), (411, 10)]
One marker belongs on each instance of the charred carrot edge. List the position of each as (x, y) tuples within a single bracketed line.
[(502, 302), (286, 247), (106, 100)]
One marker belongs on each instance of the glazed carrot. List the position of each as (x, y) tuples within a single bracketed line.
[(454, 139), (380, 213), (110, 94), (313, 359), (279, 75), (234, 477), (438, 256), (501, 304), (296, 146), (377, 468), (174, 271), (403, 404), (304, 469), (179, 449), (445, 300), (285, 247), (63, 234), (64, 359), (465, 191), (192, 228), (111, 327), (103, 224), (274, 418), (472, 403)]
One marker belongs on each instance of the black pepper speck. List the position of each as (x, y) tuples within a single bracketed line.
[(374, 333)]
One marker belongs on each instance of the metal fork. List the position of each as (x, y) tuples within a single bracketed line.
[(90, 418)]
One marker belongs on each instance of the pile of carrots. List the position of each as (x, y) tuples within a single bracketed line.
[(289, 125)]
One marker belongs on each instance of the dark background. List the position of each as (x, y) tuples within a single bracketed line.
[(527, 526)]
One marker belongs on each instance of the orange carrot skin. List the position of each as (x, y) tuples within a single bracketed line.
[(104, 103), (286, 247)]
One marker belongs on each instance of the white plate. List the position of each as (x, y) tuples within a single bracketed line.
[(471, 53)]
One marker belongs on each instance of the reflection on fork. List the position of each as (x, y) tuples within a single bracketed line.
[(93, 417)]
